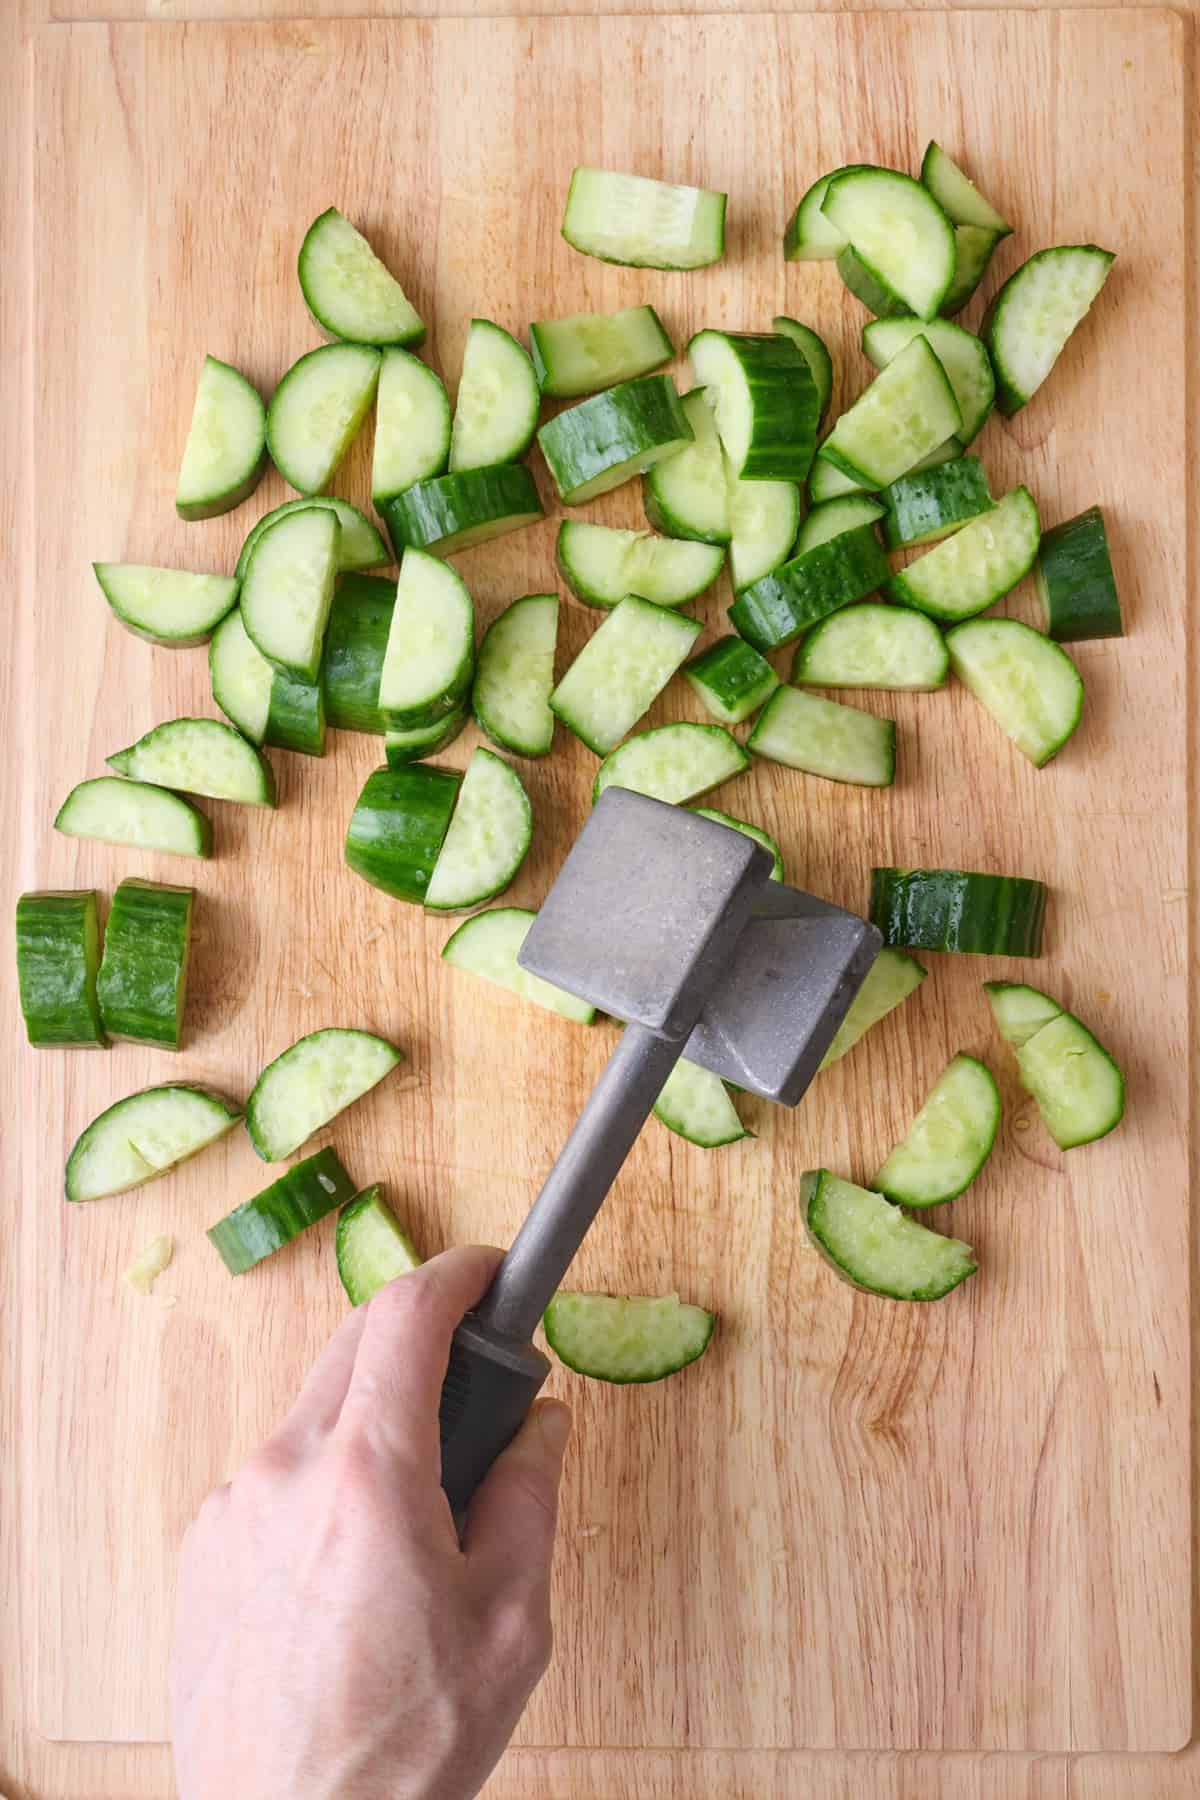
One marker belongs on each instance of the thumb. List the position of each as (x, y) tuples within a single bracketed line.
[(509, 1536)]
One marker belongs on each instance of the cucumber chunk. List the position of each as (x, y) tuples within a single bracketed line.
[(621, 670), (143, 1136), (747, 830), (897, 234), (630, 1339), (496, 412), (166, 606), (371, 1247), (958, 196), (956, 909), (892, 977), (453, 512), (833, 517), (812, 348), (430, 654), (1031, 688), (975, 567), (827, 483), (908, 410), (201, 756), (687, 496), (360, 545), (398, 826), (488, 944), (267, 705), (142, 984), (876, 1247), (348, 290), (764, 399), (973, 246), (514, 675), (642, 223), (764, 517), (601, 565), (404, 747), (259, 1227), (731, 679), (775, 609), (873, 647), (1075, 581), (1028, 323), (588, 351), (58, 954), (810, 236), (961, 354), (595, 446), (1019, 1010), (488, 840), (309, 1084), (316, 411), (695, 1104), (823, 737), (148, 1265), (224, 457), (673, 762), (929, 504), (1078, 1088), (949, 1140), (288, 589), (950, 451), (412, 426), (134, 813), (356, 638)]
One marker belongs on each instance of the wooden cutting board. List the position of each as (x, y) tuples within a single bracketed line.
[(854, 1524)]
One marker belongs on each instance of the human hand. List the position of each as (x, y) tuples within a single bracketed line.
[(332, 1637)]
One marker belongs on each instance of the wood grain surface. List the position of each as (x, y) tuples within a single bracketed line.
[(964, 1529)]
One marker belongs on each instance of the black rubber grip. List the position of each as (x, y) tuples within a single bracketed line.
[(491, 1382)]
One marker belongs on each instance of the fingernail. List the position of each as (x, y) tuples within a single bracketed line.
[(554, 1423)]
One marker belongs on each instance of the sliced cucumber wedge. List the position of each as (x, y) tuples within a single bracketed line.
[(892, 977), (764, 517), (974, 246), (288, 589), (873, 1245), (398, 826), (360, 545), (430, 654), (812, 348), (601, 565), (243, 680), (975, 567), (488, 839), (309, 1084), (258, 1227), (514, 676), (958, 196), (453, 512), (1028, 323), (296, 712), (488, 944), (695, 1104), (731, 679), (931, 503), (642, 223), (833, 517), (1075, 581), (747, 830), (348, 290), (135, 814), (404, 747), (873, 646), (897, 235), (143, 1136), (58, 955), (621, 670), (1019, 1010), (629, 1339), (595, 446), (496, 413), (224, 457), (823, 737), (827, 483), (166, 606), (142, 984), (949, 1140), (961, 354), (372, 1249), (356, 640), (673, 762), (1078, 1088), (412, 426), (316, 411), (956, 909), (764, 399), (201, 756), (775, 609), (1029, 685), (588, 351), (810, 236), (908, 410), (687, 496)]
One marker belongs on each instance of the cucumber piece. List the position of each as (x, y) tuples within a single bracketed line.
[(641, 223), (950, 451), (1075, 581), (975, 567), (144, 1135), (601, 565), (823, 737), (896, 234), (58, 952), (810, 236), (142, 984), (398, 826), (1031, 688), (673, 762), (316, 411), (764, 399), (360, 545), (371, 1248), (973, 247), (892, 977), (453, 512), (404, 747), (1027, 325), (166, 606), (812, 349), (514, 674), (309, 1084), (241, 678), (1078, 1088), (957, 196), (430, 655), (731, 679), (764, 517), (288, 590), (695, 1104), (1019, 1011), (488, 839), (258, 1227), (949, 1140), (412, 426), (747, 830), (201, 756), (148, 1265), (961, 354), (224, 458), (588, 351), (347, 289), (356, 639), (626, 1339), (687, 496), (833, 517), (956, 909), (296, 712), (778, 607), (488, 944), (496, 412), (908, 410), (621, 670), (873, 1245), (133, 813), (827, 483), (932, 503), (595, 446), (873, 646)]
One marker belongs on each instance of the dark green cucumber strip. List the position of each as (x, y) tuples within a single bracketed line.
[(956, 194), (1027, 325), (973, 246), (348, 290), (615, 435), (496, 411), (487, 945), (877, 1247), (810, 237), (588, 351), (514, 675), (892, 977), (1078, 1088), (144, 1135), (644, 224), (961, 354), (371, 1247), (1019, 1010), (833, 517), (764, 399), (224, 458), (621, 670), (673, 762), (872, 646), (288, 590), (258, 1227), (166, 606), (777, 608), (199, 756), (907, 411), (488, 839), (142, 984), (135, 814), (404, 747), (687, 495), (924, 507), (310, 1083), (1075, 580), (747, 830), (430, 655), (58, 953), (360, 619), (398, 826), (823, 737), (812, 348), (360, 544), (900, 240), (601, 564), (956, 909), (1029, 685), (624, 1340), (296, 715), (412, 426), (696, 1105), (977, 566), (948, 1142), (316, 411), (731, 679), (452, 512)]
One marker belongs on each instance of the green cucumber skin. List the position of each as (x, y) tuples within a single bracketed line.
[(58, 954), (360, 620), (200, 822), (296, 715), (428, 515), (866, 284), (551, 385), (143, 975), (955, 909), (813, 349), (610, 429), (731, 679), (1010, 399), (925, 506), (785, 401), (426, 742), (974, 246), (1076, 585), (774, 610), (301, 1197), (378, 549), (397, 828)]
